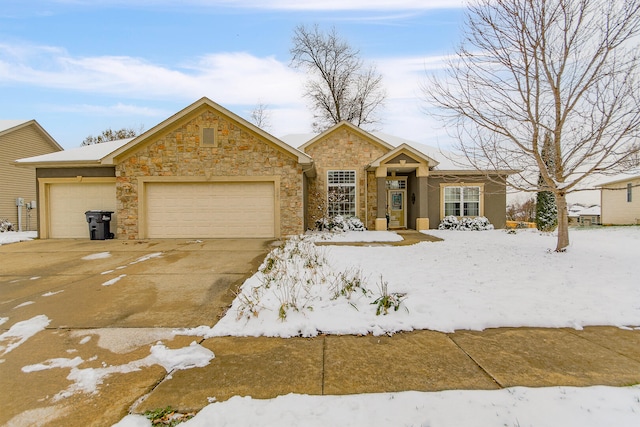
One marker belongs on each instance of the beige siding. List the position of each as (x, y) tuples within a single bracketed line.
[(20, 182), (615, 208)]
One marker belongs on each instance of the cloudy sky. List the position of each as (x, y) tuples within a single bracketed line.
[(80, 66)]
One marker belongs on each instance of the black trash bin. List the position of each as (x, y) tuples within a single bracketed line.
[(99, 224)]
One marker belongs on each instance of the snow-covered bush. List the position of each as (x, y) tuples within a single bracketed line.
[(5, 225), (465, 224), (449, 223), (339, 223), (296, 276)]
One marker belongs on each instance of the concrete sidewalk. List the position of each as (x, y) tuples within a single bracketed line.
[(420, 360), (188, 284)]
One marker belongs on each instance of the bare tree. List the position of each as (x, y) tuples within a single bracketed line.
[(522, 211), (260, 116), (111, 135), (526, 68), (340, 86)]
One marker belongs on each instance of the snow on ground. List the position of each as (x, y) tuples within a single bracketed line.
[(99, 255), (359, 236), (87, 380), (15, 236), (518, 406), (471, 280), (21, 332)]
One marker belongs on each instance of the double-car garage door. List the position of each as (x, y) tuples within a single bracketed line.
[(171, 210), (221, 209)]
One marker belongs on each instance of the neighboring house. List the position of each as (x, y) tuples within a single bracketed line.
[(589, 216), (620, 200), (574, 213), (18, 139), (206, 172)]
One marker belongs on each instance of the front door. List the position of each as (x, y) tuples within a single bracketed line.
[(397, 208)]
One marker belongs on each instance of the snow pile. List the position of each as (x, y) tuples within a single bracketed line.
[(87, 380), (468, 281), (114, 280), (518, 406), (15, 236), (20, 332), (358, 236), (99, 255)]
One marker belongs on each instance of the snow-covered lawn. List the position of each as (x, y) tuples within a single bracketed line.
[(513, 407), (471, 280), (15, 236)]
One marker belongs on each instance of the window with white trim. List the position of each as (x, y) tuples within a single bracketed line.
[(629, 192), (462, 201), (341, 193)]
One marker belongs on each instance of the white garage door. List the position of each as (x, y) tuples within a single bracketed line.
[(69, 202), (213, 210)]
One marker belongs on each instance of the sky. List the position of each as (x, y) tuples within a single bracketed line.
[(81, 66)]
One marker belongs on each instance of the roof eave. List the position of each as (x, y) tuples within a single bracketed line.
[(62, 164), (473, 172)]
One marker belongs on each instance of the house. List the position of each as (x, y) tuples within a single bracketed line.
[(18, 139), (589, 216), (206, 172), (574, 213), (620, 200)]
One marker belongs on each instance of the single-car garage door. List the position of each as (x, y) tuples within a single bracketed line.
[(69, 201), (210, 210)]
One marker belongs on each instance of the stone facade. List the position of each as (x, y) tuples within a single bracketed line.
[(344, 149), (179, 152)]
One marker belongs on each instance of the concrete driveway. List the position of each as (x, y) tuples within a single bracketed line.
[(106, 302), (105, 314)]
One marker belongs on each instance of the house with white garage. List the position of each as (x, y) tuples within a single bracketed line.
[(205, 172), (620, 199)]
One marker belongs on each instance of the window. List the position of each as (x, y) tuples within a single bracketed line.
[(629, 188), (396, 184), (341, 193), (462, 201)]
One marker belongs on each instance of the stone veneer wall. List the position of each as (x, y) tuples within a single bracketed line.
[(343, 149), (238, 152)]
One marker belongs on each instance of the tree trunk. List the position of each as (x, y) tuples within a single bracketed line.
[(563, 223)]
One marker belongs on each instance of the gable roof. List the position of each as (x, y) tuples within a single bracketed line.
[(630, 175), (593, 210), (431, 162), (8, 126), (202, 103), (351, 127), (444, 160), (106, 153)]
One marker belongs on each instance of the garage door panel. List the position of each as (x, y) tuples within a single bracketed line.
[(69, 201), (243, 209)]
